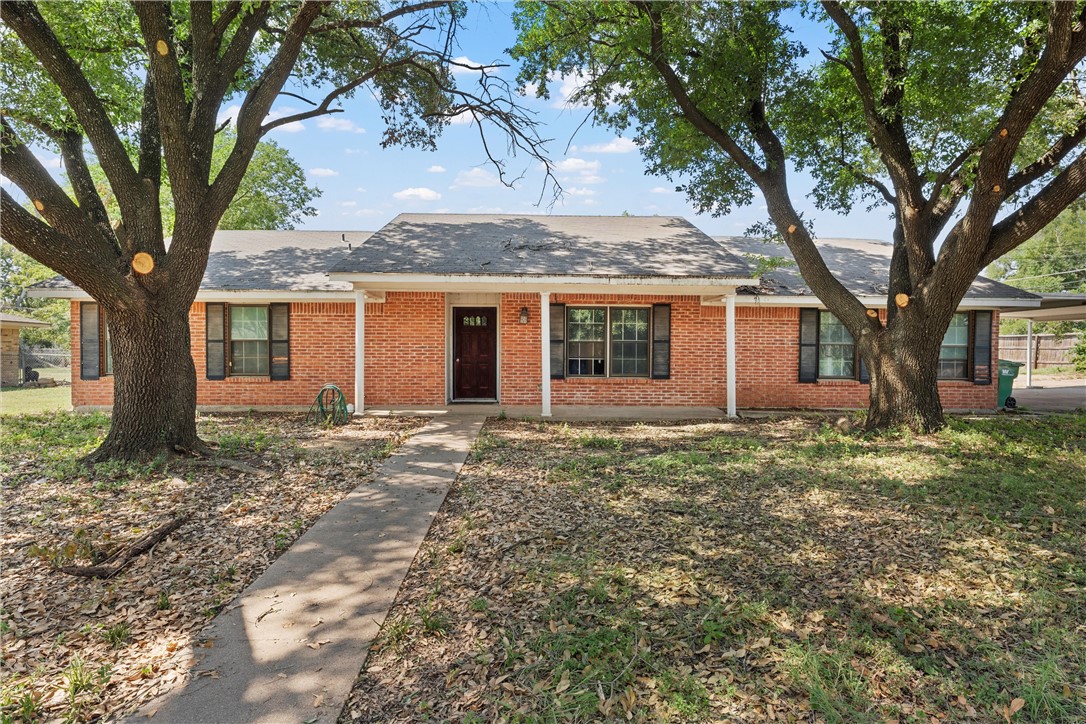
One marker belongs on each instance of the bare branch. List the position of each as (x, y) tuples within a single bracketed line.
[(23, 17), (1039, 211), (1048, 160)]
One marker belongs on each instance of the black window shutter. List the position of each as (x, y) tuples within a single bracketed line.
[(661, 341), (90, 346), (808, 345), (865, 378), (558, 341), (279, 320), (982, 348), (216, 341)]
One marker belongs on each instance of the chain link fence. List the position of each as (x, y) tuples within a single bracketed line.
[(51, 362)]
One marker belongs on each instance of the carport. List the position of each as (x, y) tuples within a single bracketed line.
[(1055, 307)]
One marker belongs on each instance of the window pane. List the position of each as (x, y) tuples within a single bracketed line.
[(629, 342), (954, 352), (249, 357), (249, 323), (836, 356), (587, 341)]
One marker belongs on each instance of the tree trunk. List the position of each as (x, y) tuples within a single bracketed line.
[(154, 382), (904, 365)]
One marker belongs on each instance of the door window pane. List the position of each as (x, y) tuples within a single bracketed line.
[(630, 342), (954, 353), (587, 341), (836, 353), (249, 340)]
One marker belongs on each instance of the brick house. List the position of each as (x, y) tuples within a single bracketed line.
[(533, 311), (10, 324)]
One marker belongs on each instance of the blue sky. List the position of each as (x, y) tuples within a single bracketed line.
[(364, 186)]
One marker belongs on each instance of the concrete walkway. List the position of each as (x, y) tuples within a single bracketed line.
[(290, 647), (1050, 395)]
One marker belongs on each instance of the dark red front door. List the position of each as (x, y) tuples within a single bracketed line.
[(475, 353)]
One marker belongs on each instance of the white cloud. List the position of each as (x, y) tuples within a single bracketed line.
[(660, 190), (352, 151), (464, 118), (360, 189), (485, 210), (335, 123), (478, 178), (616, 145), (436, 169), (578, 170), (48, 160), (323, 172), (456, 67), (420, 193), (231, 113), (576, 165), (367, 212), (574, 191), (348, 203)]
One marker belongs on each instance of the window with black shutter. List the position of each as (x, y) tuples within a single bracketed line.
[(808, 345), (558, 341), (216, 341), (982, 348), (90, 349), (248, 340), (661, 341), (279, 315)]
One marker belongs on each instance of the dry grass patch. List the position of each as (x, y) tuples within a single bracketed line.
[(81, 649), (747, 572)]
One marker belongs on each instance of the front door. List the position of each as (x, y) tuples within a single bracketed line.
[(475, 353)]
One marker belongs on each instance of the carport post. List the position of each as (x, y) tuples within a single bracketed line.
[(729, 318), (1029, 353), (359, 351), (545, 345)]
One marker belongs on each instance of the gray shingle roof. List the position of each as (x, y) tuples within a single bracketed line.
[(611, 246), (862, 265), (269, 261)]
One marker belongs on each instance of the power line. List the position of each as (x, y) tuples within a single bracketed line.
[(1039, 276)]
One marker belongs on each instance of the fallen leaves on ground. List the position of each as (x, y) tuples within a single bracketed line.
[(81, 649), (754, 571)]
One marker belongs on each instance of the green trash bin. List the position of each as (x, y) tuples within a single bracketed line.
[(1008, 372)]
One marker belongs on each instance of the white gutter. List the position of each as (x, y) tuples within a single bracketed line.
[(538, 283), (781, 300)]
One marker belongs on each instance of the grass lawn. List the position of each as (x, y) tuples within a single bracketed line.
[(31, 400), (747, 572), (81, 649)]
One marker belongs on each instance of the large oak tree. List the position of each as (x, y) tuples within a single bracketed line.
[(965, 120), (141, 86)]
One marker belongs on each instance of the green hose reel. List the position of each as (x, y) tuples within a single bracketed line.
[(329, 408)]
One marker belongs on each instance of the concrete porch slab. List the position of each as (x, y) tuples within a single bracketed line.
[(600, 413)]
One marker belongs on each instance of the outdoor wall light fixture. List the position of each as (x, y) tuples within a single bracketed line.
[(524, 315)]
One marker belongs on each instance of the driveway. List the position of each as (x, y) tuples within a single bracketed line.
[(1050, 395)]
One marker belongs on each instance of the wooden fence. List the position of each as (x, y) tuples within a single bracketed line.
[(1048, 351)]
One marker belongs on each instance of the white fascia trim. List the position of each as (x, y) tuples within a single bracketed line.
[(527, 283), (767, 300), (225, 295)]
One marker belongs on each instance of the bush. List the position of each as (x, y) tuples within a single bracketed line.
[(1078, 354)]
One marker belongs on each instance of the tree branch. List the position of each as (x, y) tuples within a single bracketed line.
[(1048, 160), (23, 17), (1039, 211)]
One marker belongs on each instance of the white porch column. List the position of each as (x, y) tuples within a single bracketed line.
[(1029, 353), (729, 318), (359, 351), (545, 345)]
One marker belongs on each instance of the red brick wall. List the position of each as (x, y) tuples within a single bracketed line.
[(697, 357), (767, 360), (406, 355), (405, 349), (409, 371)]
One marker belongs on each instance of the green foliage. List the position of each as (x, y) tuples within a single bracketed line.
[(1078, 355), (1052, 261), (273, 194), (18, 272)]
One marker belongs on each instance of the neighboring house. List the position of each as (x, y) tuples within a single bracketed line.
[(536, 311), (10, 324)]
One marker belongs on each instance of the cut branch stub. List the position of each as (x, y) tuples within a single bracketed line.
[(39, 205), (1003, 133), (143, 263), (996, 188), (792, 229), (873, 313), (902, 300), (162, 47)]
